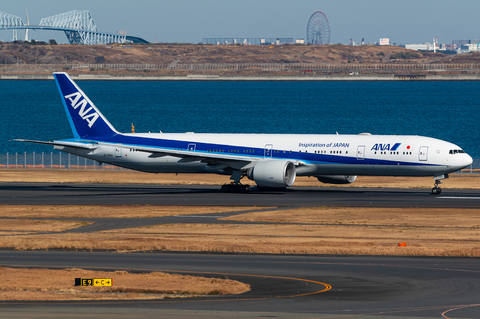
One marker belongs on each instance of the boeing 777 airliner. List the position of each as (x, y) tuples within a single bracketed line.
[(270, 160)]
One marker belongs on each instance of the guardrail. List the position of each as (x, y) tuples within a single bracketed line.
[(306, 67), (49, 161)]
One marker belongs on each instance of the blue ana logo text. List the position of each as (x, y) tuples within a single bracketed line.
[(74, 99), (385, 147)]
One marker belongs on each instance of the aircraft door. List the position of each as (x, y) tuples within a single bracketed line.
[(118, 151), (423, 153), (192, 147), (361, 152), (268, 151)]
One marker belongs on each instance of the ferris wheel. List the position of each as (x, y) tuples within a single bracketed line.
[(318, 29)]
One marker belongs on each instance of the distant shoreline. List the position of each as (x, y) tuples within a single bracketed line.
[(200, 77)]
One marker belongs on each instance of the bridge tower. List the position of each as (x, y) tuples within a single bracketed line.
[(80, 28), (10, 21)]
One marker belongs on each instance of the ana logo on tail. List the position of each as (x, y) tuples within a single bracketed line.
[(76, 101)]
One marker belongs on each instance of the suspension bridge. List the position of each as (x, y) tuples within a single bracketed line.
[(78, 26)]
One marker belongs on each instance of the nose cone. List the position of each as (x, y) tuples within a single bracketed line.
[(462, 161), (468, 160)]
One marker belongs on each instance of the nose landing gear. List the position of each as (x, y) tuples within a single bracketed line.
[(437, 190)]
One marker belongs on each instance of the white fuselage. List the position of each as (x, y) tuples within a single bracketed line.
[(387, 155)]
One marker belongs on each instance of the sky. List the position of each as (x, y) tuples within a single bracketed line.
[(405, 21)]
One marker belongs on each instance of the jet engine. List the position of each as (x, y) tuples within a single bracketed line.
[(273, 173), (337, 179)]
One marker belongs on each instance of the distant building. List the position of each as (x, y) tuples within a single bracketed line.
[(248, 41), (446, 47), (458, 43), (384, 41), (423, 46), (470, 47), (300, 41)]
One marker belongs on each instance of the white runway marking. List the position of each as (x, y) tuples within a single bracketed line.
[(454, 197), (197, 216)]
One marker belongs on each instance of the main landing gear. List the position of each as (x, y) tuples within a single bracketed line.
[(235, 188)]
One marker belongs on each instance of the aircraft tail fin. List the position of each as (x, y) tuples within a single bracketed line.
[(84, 117)]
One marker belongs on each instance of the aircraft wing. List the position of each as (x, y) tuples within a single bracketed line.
[(232, 160), (88, 145)]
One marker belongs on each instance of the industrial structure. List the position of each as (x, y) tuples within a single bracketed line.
[(78, 26), (318, 29), (247, 41)]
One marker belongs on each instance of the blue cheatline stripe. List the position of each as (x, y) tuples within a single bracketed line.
[(309, 158)]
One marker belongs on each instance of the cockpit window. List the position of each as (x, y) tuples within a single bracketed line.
[(456, 152)]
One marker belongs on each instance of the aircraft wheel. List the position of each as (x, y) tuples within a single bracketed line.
[(436, 190), (245, 189), (224, 189)]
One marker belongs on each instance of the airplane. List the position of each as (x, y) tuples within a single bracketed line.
[(272, 161)]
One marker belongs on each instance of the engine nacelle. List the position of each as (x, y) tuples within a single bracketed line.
[(337, 179), (273, 173)]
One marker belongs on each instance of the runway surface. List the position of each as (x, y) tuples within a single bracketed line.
[(282, 286), (97, 194)]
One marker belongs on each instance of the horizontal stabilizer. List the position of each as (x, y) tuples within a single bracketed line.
[(84, 145)]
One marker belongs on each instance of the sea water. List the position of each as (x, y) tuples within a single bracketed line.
[(444, 110)]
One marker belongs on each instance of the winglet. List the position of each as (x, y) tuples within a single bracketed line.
[(84, 118)]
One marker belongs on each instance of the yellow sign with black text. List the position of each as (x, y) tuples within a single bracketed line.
[(95, 282)]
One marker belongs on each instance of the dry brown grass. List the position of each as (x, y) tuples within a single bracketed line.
[(466, 180), (7, 226), (166, 54), (48, 284), (110, 211), (372, 216), (316, 230), (442, 232), (107, 177)]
